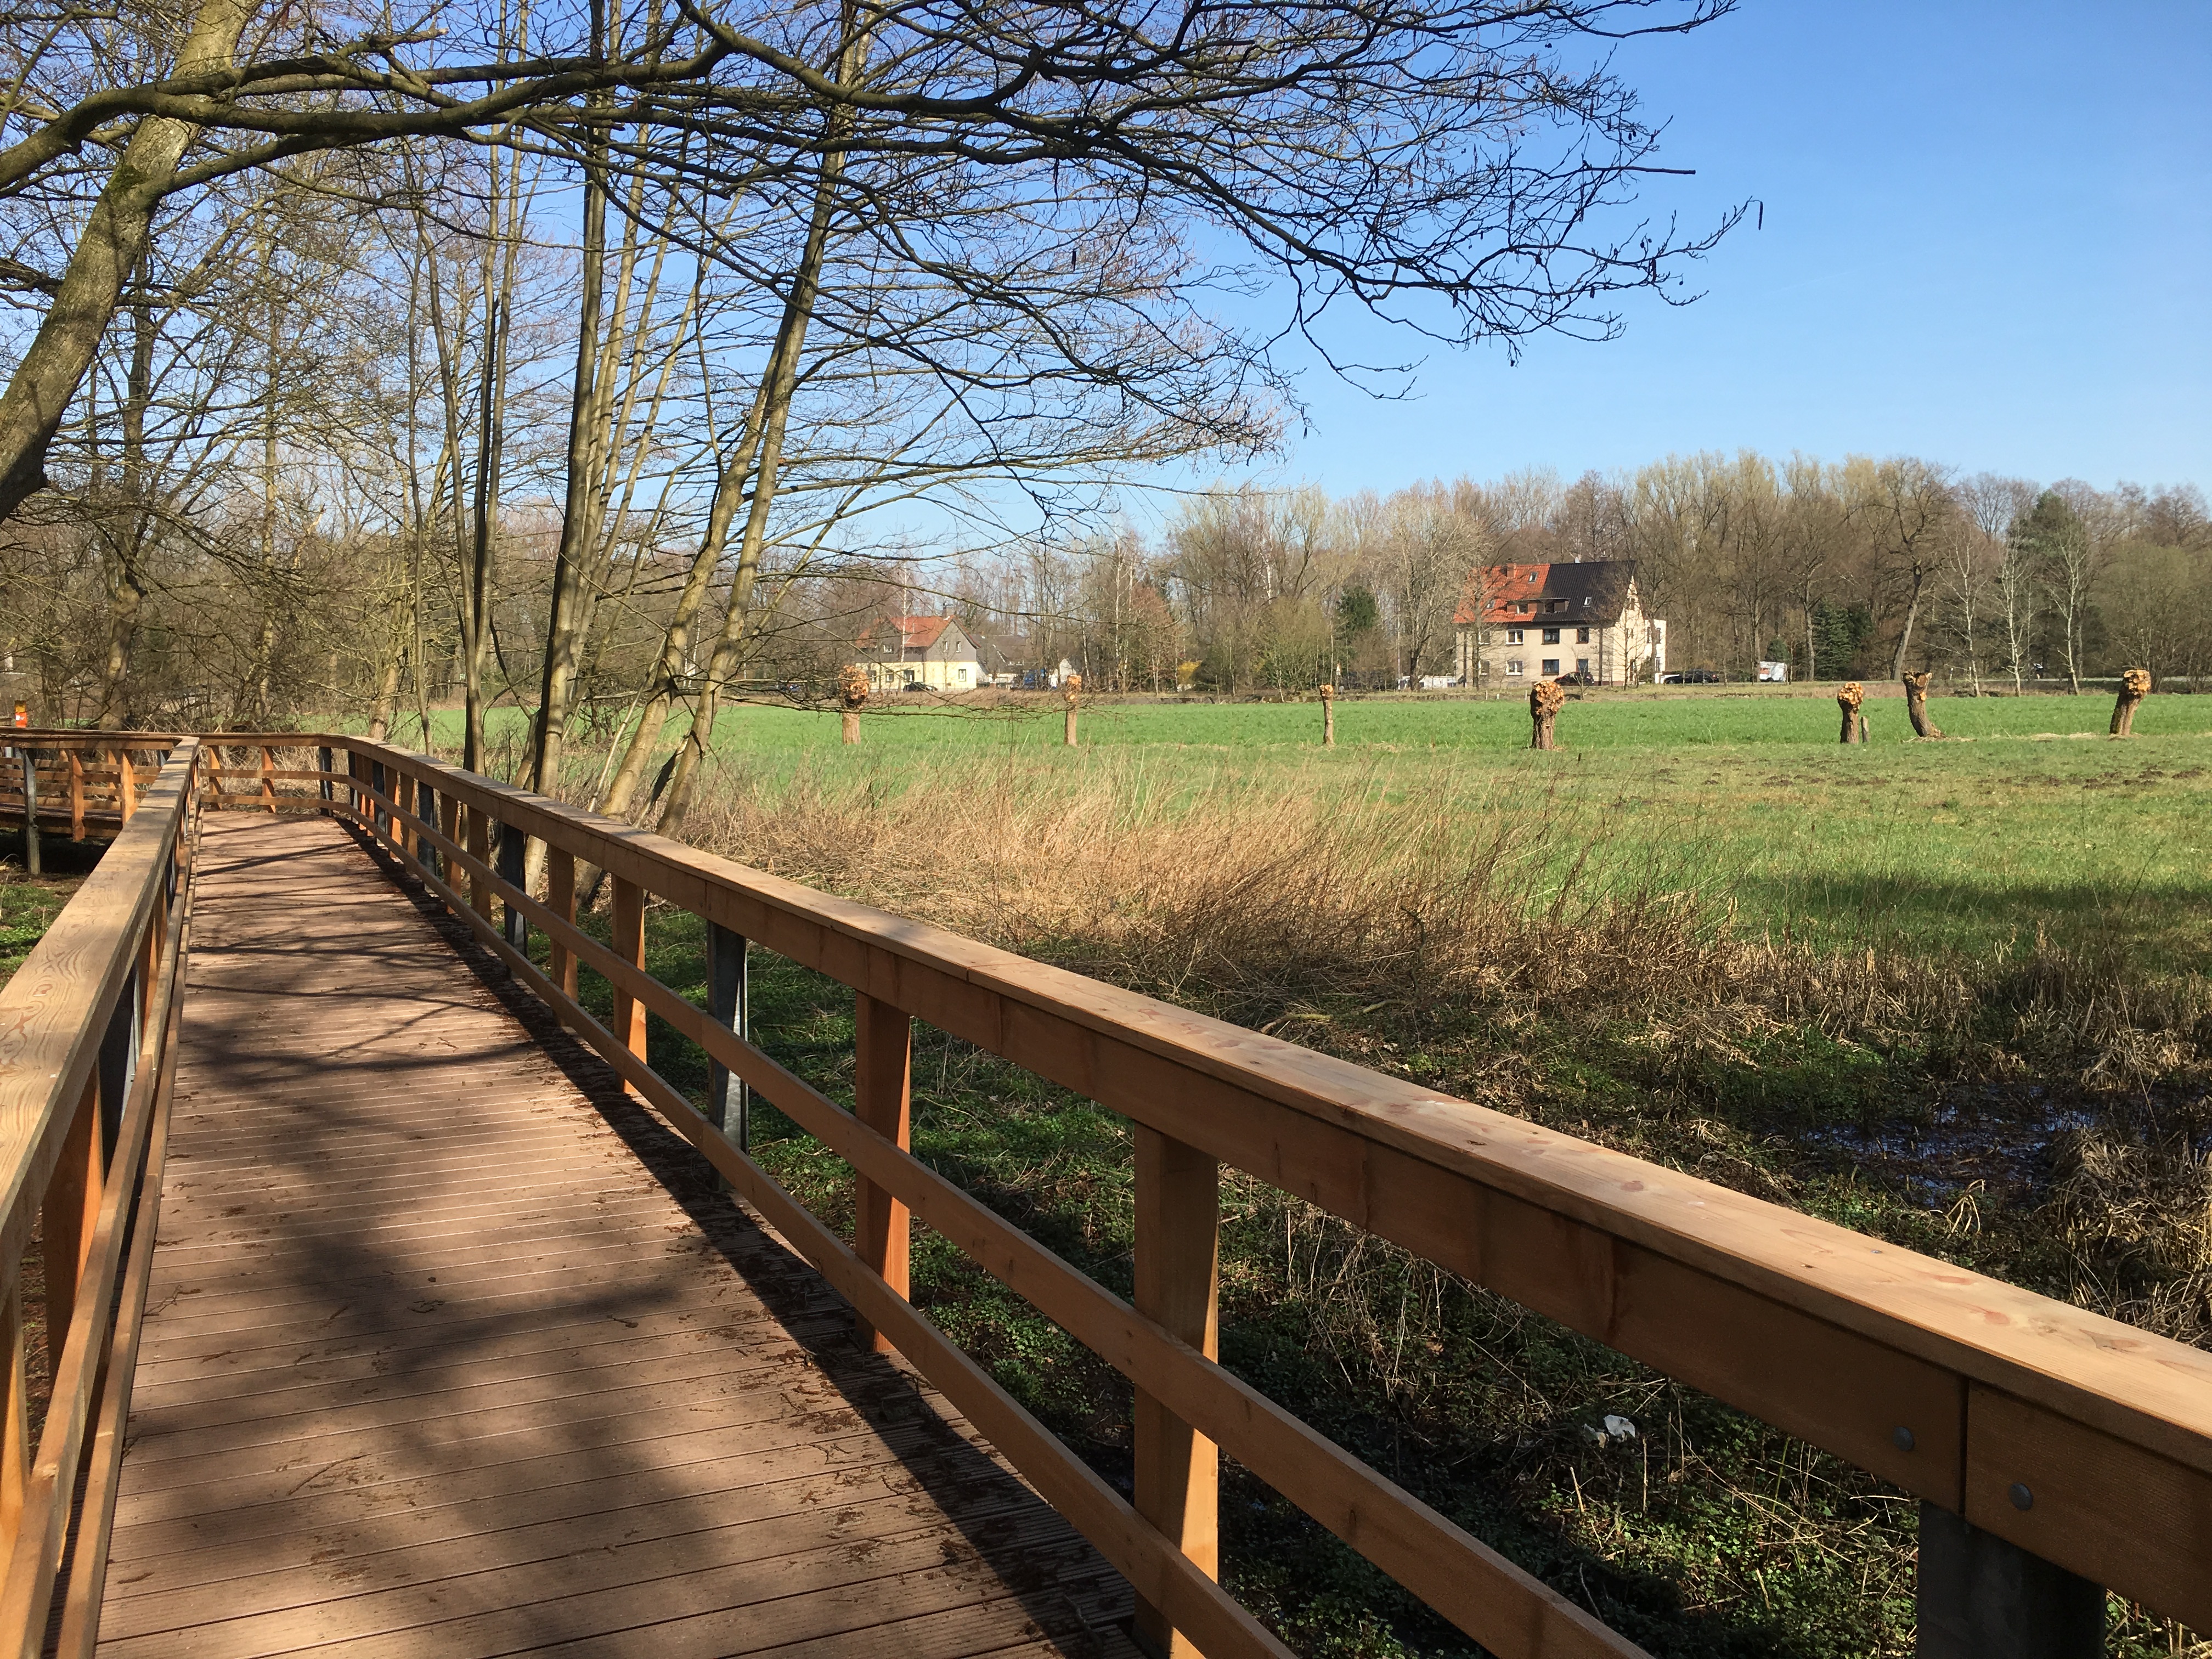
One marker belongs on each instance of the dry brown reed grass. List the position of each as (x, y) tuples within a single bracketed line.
[(1246, 894)]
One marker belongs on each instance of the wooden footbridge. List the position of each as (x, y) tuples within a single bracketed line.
[(394, 1304)]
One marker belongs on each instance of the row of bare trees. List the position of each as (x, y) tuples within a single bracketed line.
[(593, 359), (1863, 568)]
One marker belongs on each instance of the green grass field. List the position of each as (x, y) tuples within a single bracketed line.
[(2039, 829)]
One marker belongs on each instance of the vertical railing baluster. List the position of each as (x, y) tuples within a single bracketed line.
[(513, 843), (882, 1068), (30, 813), (1178, 1259), (77, 794), (15, 1418), (426, 809), (729, 1004), (377, 782), (629, 946), (118, 1057), (561, 900), (268, 777), (327, 786)]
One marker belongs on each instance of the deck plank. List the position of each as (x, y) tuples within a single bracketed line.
[(452, 1350)]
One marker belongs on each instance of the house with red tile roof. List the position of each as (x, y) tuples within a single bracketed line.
[(1521, 622), (932, 653)]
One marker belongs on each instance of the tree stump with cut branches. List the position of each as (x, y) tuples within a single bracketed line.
[(1072, 688), (851, 693), (1848, 699), (2134, 686), (1916, 704), (1546, 699), (1327, 715)]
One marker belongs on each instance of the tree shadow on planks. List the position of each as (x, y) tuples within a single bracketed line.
[(1071, 1595)]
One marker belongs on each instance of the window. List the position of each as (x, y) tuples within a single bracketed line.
[(1513, 665), (1556, 605), (1582, 666), (1581, 636), (1512, 636), (1551, 667), (1551, 636)]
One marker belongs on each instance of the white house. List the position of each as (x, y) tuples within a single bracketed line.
[(1521, 622), (934, 652)]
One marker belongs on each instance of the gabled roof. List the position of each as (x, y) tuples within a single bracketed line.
[(914, 633), (1593, 591)]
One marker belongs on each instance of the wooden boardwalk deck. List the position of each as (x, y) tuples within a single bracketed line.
[(452, 1350)]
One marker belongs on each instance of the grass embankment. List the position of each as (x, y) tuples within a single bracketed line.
[(1949, 994)]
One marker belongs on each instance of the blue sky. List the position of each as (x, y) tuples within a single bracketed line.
[(1988, 240)]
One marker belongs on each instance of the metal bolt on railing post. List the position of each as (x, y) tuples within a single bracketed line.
[(1981, 1597)]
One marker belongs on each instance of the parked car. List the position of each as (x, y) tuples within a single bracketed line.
[(1691, 676), (914, 685), (1572, 678)]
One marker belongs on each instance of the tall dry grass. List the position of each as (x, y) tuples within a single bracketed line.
[(1245, 894)]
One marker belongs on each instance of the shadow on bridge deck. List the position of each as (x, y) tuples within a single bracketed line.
[(453, 1349)]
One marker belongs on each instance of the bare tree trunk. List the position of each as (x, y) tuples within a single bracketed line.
[(579, 519), (114, 241), (1916, 704), (2134, 686), (1911, 615), (120, 548), (1327, 715), (387, 697), (1073, 694), (775, 410), (1848, 698), (1546, 699)]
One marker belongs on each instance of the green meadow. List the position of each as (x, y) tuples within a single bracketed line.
[(2027, 825)]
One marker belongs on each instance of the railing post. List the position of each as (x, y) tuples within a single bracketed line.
[(328, 788), (479, 845), (729, 1004), (267, 776), (883, 1065), (68, 1216), (30, 812), (1178, 1284), (512, 843), (561, 900), (630, 944), (378, 781), (127, 782), (1979, 1597), (77, 794)]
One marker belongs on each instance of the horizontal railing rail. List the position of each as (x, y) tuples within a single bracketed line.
[(88, 1027), (2083, 1441)]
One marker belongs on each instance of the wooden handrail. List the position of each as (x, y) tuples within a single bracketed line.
[(88, 1043), (2083, 1440)]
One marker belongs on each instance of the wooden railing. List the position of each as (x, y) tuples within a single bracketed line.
[(2082, 1445), (2055, 1451), (87, 1047), (83, 779)]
